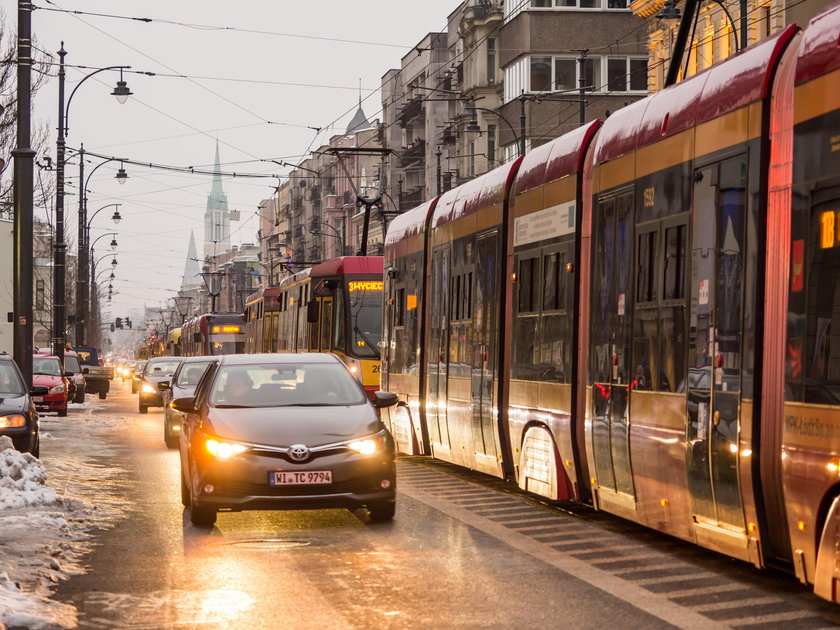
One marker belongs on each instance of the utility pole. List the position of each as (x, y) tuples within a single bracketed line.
[(582, 86), (81, 280), (24, 158), (522, 123), (438, 183), (60, 247)]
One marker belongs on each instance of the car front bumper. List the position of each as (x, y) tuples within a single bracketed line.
[(242, 482), (52, 402), (23, 438), (151, 400)]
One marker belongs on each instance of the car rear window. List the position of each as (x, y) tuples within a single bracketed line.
[(285, 385), (161, 368), (10, 382)]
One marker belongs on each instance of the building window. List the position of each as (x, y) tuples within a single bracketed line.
[(627, 74), (491, 61), (516, 79), (540, 74), (491, 146)]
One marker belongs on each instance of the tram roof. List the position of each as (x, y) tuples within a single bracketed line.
[(347, 265), (725, 87), (475, 195), (561, 157), (819, 53), (407, 227)]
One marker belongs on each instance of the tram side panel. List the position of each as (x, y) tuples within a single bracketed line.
[(544, 257), (404, 355), (811, 422)]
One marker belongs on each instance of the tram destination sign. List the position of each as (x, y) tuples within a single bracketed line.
[(545, 224)]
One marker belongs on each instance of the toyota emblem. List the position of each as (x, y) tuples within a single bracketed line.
[(299, 452)]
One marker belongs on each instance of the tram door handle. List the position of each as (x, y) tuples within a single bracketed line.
[(717, 418)]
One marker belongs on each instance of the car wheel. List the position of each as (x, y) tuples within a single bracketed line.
[(80, 396), (171, 440), (62, 413), (185, 492), (36, 450), (382, 512), (102, 395), (133, 388), (202, 515), (144, 409)]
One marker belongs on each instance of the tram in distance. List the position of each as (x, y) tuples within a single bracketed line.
[(640, 313), (212, 334), (335, 306)]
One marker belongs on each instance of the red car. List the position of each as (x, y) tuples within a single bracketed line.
[(46, 371)]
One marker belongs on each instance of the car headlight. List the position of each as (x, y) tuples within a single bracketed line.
[(10, 422), (147, 389), (367, 446), (223, 450), (58, 389)]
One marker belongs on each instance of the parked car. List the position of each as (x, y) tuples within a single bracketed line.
[(18, 416), (156, 372), (136, 376), (183, 384), (77, 380), (275, 431), (97, 377), (47, 372)]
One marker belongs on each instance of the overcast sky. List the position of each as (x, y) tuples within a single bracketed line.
[(240, 92)]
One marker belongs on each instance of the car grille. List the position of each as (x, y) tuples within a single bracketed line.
[(355, 486)]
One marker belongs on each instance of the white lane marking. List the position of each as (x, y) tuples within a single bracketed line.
[(790, 615), (641, 599), (738, 605)]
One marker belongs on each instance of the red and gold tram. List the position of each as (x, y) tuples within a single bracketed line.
[(335, 306), (639, 314)]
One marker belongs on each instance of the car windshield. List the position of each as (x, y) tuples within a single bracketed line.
[(162, 368), (285, 385), (10, 382), (191, 373), (71, 364), (365, 317), (138, 367), (50, 367)]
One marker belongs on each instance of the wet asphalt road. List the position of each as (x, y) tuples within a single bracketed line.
[(463, 552)]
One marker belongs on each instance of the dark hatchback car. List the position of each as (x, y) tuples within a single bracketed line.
[(184, 382), (18, 417), (158, 370), (137, 375), (284, 431)]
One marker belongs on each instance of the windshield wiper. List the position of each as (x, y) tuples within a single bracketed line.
[(234, 407), (363, 336)]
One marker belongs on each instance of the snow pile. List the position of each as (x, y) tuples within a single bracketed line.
[(25, 610), (23, 480)]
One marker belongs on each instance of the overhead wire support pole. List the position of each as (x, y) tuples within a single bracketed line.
[(81, 278), (582, 83), (688, 16), (59, 246), (24, 158)]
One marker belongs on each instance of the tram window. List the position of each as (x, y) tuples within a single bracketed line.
[(326, 325), (338, 342), (467, 290), (399, 307), (675, 254), (646, 268), (550, 288), (528, 285), (455, 304)]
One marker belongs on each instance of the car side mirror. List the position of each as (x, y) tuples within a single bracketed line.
[(39, 390), (185, 405), (312, 311), (85, 370), (163, 385), (385, 399)]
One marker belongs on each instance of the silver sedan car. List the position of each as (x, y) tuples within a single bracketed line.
[(284, 431)]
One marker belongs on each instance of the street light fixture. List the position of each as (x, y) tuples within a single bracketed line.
[(473, 127), (121, 91), (116, 218), (114, 243), (121, 175), (114, 262)]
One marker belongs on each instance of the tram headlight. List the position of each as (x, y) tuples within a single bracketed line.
[(355, 368)]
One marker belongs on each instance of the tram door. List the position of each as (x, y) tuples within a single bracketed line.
[(438, 351), (714, 374), (612, 307), (485, 315), (326, 324)]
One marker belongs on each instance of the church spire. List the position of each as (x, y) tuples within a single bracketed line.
[(192, 272), (216, 191)]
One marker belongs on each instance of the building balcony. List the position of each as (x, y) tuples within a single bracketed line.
[(449, 135), (414, 152), (314, 193), (481, 13), (411, 199), (411, 110)]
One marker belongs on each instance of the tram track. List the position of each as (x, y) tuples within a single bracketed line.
[(676, 581)]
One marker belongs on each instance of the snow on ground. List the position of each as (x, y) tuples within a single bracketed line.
[(47, 509)]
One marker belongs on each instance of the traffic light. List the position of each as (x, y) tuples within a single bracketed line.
[(112, 328), (119, 322), (128, 322)]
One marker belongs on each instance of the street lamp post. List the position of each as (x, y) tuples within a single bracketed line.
[(472, 126), (82, 309), (121, 91), (182, 305), (212, 282)]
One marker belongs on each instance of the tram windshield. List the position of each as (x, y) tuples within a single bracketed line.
[(365, 310)]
